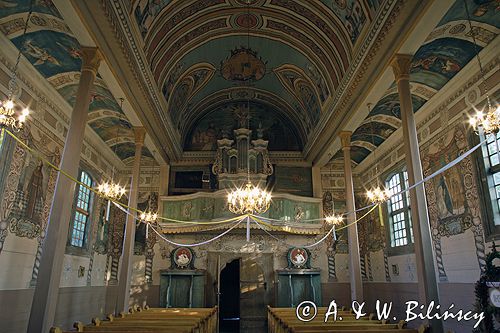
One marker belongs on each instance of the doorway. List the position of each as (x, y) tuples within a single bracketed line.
[(229, 310)]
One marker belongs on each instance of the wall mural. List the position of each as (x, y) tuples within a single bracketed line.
[(447, 49), (300, 86), (294, 180), (222, 121), (189, 84), (53, 50), (454, 206)]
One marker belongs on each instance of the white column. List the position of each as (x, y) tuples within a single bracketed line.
[(129, 236), (44, 304), (426, 272), (352, 230)]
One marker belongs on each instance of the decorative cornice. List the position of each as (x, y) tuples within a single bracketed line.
[(117, 16), (386, 17)]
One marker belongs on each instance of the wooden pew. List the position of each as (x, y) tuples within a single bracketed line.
[(153, 320), (284, 320)]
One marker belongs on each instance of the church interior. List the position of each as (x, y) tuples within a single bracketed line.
[(249, 166)]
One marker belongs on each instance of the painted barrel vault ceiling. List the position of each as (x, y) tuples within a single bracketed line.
[(53, 50), (447, 49), (210, 57), (288, 57)]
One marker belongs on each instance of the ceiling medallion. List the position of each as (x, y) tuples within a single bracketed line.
[(246, 21), (243, 65)]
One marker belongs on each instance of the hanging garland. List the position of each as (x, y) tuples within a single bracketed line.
[(487, 288)]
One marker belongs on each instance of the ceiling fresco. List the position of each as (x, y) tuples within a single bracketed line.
[(296, 50), (220, 122), (53, 50), (447, 49)]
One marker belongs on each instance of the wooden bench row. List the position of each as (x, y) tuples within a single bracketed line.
[(284, 320), (149, 320)]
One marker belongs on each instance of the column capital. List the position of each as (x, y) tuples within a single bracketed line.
[(345, 139), (139, 135), (91, 59), (401, 64)]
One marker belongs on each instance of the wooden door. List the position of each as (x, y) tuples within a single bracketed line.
[(256, 284)]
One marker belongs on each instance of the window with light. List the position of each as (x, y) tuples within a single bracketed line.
[(398, 208), (81, 214)]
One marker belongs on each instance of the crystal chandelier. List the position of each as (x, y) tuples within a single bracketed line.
[(9, 117), (111, 190), (334, 219), (378, 195), (248, 200), (148, 217), (489, 123)]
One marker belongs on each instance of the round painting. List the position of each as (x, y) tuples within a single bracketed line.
[(298, 257), (183, 257)]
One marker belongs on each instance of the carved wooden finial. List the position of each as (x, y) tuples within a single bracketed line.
[(96, 321), (110, 317), (56, 330), (122, 314)]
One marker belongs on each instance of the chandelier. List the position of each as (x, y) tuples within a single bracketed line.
[(248, 200), (148, 217), (111, 190), (10, 118), (489, 123), (378, 195), (334, 219)]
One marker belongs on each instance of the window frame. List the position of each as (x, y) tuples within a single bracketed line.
[(406, 210), (76, 209), (490, 206)]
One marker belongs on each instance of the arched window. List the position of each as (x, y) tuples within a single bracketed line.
[(399, 210), (81, 215)]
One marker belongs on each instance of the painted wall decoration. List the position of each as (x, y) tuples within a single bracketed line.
[(189, 84), (146, 11), (301, 87), (352, 14), (101, 237), (277, 129), (446, 51), (28, 216), (53, 50), (147, 201), (295, 180)]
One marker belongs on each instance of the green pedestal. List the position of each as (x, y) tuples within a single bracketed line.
[(182, 288), (297, 285)]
